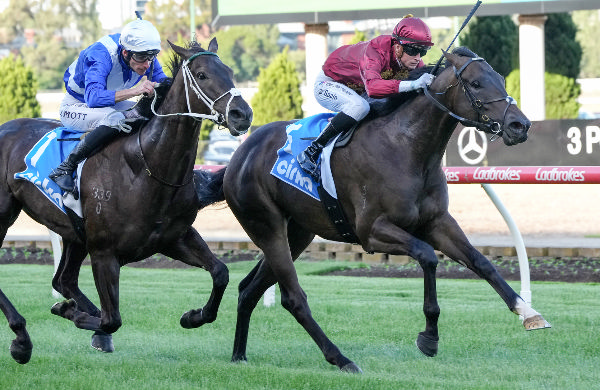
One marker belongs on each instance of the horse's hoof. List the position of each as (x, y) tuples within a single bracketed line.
[(427, 345), (103, 342), (239, 359), (191, 319), (63, 309), (21, 351), (352, 368), (536, 322)]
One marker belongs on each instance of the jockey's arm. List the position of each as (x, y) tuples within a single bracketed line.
[(143, 87)]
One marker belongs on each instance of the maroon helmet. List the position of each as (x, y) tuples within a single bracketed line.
[(411, 30)]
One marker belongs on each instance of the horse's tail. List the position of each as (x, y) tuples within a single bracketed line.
[(209, 186)]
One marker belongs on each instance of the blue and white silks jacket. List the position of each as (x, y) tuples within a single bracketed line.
[(100, 70)]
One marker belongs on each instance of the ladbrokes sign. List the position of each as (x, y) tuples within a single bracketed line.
[(551, 143), (523, 174)]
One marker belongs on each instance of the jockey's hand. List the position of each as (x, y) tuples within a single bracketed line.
[(146, 88), (422, 82)]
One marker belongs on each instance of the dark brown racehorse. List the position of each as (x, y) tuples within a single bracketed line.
[(138, 196), (391, 185)]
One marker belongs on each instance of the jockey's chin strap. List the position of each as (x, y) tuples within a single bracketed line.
[(190, 82), (486, 124)]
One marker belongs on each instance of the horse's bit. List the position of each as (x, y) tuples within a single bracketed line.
[(190, 82), (486, 124)]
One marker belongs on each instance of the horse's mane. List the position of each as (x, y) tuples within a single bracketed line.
[(174, 65), (381, 107)]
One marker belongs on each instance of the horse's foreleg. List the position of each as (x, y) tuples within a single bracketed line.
[(388, 238), (21, 346), (106, 271), (294, 300), (192, 250), (251, 289), (449, 238), (254, 285), (66, 279)]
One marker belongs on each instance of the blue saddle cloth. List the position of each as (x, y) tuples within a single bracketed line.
[(46, 155), (286, 167)]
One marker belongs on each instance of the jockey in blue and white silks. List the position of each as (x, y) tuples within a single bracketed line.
[(101, 70), (99, 83)]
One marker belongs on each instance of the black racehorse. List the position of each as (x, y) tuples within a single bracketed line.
[(390, 184), (138, 196)]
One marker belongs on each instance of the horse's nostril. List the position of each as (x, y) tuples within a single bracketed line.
[(237, 115), (517, 126)]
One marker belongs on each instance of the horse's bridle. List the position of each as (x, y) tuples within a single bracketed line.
[(486, 123), (214, 116), (190, 82)]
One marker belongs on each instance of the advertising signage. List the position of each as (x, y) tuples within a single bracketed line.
[(566, 142), (232, 12)]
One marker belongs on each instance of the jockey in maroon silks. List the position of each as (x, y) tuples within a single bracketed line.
[(376, 67)]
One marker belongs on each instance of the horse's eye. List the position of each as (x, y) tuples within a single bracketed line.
[(201, 76), (475, 84)]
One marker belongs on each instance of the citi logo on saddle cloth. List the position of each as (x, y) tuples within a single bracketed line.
[(287, 169), (45, 155), (299, 136)]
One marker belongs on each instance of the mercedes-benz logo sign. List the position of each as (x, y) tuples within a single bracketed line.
[(470, 149)]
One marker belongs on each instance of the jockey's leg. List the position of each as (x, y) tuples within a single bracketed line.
[(308, 159), (351, 108), (95, 140)]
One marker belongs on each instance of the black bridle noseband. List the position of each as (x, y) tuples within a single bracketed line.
[(484, 122)]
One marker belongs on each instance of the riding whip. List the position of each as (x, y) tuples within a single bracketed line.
[(473, 10)]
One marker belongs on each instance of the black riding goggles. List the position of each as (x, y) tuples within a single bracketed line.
[(413, 50), (143, 56)]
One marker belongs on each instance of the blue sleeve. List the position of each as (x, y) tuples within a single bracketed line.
[(97, 67)]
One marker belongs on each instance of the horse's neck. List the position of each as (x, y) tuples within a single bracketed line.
[(424, 127), (170, 142)]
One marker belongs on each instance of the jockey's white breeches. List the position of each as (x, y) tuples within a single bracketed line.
[(339, 98), (77, 115)]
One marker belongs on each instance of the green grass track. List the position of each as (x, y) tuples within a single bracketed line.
[(374, 321)]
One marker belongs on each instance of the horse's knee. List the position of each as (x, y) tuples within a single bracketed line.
[(295, 304), (247, 301), (482, 264), (427, 259), (220, 275), (110, 324)]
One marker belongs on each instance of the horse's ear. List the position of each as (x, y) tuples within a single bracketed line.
[(183, 53), (213, 45), (452, 58)]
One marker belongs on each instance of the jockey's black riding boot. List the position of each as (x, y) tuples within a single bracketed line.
[(308, 159), (96, 139)]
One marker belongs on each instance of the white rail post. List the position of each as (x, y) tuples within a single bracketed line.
[(518, 240), (57, 252), (269, 296)]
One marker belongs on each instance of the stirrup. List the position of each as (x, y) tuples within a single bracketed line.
[(309, 166), (63, 179)]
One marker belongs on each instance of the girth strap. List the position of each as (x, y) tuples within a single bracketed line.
[(337, 216)]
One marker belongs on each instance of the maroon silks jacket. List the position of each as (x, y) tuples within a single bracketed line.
[(362, 64)]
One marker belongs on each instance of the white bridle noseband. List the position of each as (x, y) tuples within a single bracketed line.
[(190, 82)]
